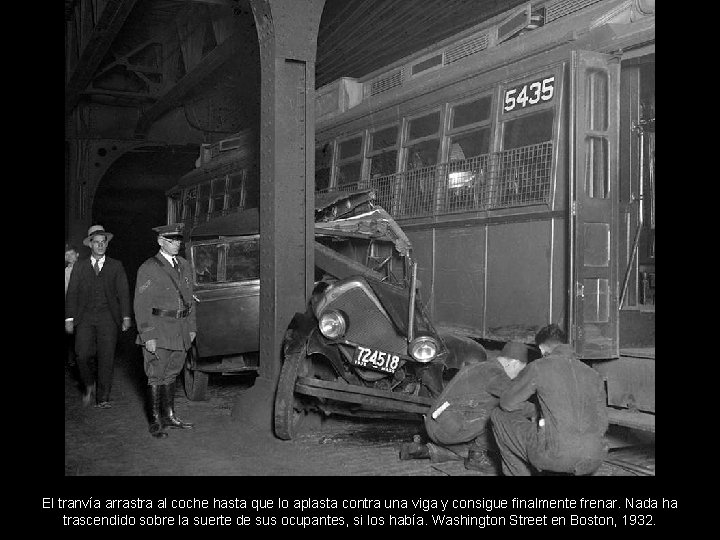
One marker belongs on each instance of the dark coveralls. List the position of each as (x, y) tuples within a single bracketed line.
[(571, 398), (164, 314), (471, 394)]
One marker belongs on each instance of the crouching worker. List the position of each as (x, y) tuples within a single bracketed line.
[(165, 317), (567, 437), (457, 423)]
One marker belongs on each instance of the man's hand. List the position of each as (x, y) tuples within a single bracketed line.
[(151, 345), (529, 410), (192, 336), (126, 324), (69, 325)]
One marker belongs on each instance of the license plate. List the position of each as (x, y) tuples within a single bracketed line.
[(377, 360)]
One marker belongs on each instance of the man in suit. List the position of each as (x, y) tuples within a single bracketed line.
[(165, 315), (96, 306)]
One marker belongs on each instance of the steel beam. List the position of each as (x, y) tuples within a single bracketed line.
[(103, 34), (174, 97), (287, 33)]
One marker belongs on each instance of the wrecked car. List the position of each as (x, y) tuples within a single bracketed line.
[(365, 346)]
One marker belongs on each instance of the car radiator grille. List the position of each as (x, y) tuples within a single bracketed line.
[(367, 325)]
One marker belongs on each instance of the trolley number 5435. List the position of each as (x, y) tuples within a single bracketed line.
[(529, 94)]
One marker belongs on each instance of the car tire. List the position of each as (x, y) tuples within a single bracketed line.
[(195, 381), (289, 410)]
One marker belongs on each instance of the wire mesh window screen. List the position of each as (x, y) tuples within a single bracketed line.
[(516, 177)]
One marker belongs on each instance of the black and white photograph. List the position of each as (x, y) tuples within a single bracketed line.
[(361, 238)]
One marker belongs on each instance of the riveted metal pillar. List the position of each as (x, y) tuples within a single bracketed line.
[(287, 33)]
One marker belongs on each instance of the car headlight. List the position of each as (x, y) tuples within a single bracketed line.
[(332, 324), (423, 348)]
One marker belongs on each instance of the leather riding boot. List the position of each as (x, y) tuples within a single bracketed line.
[(156, 428), (438, 454), (168, 408)]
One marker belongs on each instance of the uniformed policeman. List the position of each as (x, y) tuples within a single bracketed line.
[(165, 317)]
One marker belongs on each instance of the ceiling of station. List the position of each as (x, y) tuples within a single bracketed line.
[(356, 37)]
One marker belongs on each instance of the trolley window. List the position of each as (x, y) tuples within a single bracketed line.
[(597, 180), (243, 259), (468, 149), (205, 263), (421, 157), (323, 166), (218, 195), (473, 112), (203, 205), (223, 261), (349, 161), (174, 207), (525, 163), (190, 202), (236, 194), (383, 163), (529, 129)]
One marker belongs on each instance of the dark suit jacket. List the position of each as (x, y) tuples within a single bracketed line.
[(79, 295)]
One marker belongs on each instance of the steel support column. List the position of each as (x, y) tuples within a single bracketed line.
[(287, 33)]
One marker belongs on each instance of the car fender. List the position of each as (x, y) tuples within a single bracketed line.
[(462, 350), (303, 333)]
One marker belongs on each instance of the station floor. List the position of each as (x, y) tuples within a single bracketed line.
[(115, 441)]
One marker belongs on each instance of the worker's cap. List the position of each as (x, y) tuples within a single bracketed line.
[(516, 350), (174, 231)]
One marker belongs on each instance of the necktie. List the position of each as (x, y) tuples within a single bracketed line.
[(175, 265), (96, 267)]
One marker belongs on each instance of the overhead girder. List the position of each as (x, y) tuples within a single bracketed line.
[(92, 42), (175, 95), (132, 80)]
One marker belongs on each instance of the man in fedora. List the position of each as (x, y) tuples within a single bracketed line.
[(96, 306), (165, 315)]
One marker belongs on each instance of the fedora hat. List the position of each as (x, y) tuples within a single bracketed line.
[(94, 231)]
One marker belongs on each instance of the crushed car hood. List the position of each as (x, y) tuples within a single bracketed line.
[(375, 224)]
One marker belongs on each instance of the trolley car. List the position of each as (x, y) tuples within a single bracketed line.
[(518, 157)]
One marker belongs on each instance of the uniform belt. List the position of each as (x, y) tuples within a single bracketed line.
[(179, 314)]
